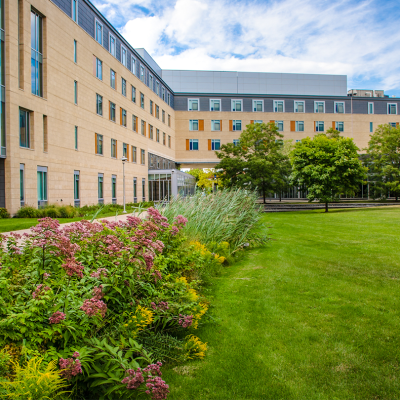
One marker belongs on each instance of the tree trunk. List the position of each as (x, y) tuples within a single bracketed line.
[(326, 207), (264, 195), (280, 195)]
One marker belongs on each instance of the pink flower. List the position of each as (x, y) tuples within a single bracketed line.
[(99, 272), (46, 275), (70, 367), (73, 267), (57, 317), (134, 379), (185, 320), (38, 291)]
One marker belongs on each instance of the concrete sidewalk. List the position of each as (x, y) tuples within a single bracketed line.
[(117, 218)]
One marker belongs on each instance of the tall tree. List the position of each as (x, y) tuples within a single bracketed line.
[(254, 163), (383, 159), (327, 166)]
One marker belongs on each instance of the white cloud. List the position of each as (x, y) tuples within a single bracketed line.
[(342, 37)]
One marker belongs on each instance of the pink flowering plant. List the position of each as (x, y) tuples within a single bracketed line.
[(98, 297)]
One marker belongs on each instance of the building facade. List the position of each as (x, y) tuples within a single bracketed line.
[(76, 98)]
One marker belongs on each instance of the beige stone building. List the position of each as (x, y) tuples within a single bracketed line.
[(76, 98)]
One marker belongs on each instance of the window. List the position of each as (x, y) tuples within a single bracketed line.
[(134, 154), (319, 126), (193, 144), (370, 108), (123, 87), (37, 53), (99, 32), (142, 100), (113, 45), (169, 120), (279, 106), (112, 111), (74, 10), (142, 73), (236, 142), (112, 78), (143, 188), (151, 131), (142, 157), (319, 106), (99, 144), (215, 125), (168, 99), (163, 116), (392, 108), (279, 125), (339, 126), (169, 141), (42, 185), (99, 69), (114, 189), (339, 107), (299, 126), (133, 65), (371, 125), (75, 92), (215, 144), (215, 105), (392, 124), (113, 148), (194, 125), (163, 93), (76, 138), (99, 104), (151, 82), (123, 117), (22, 184), (123, 55), (133, 94), (24, 129), (193, 104), (143, 130), (258, 121), (125, 150), (258, 106), (134, 123), (157, 88), (158, 135), (100, 192), (236, 125), (236, 105), (163, 138), (299, 106), (157, 112), (151, 107), (76, 185), (75, 51), (134, 190)]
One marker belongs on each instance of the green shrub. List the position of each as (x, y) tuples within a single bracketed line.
[(4, 213), (27, 212), (51, 212), (68, 212)]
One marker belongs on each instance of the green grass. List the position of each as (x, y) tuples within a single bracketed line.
[(314, 315)]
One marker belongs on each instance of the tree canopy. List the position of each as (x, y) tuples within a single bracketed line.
[(328, 165), (256, 162), (383, 160)]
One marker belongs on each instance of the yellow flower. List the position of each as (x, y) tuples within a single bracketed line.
[(195, 348)]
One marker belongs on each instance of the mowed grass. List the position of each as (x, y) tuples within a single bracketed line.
[(314, 315)]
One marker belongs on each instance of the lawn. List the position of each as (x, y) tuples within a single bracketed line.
[(314, 315)]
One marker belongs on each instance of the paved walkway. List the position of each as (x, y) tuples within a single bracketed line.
[(121, 217)]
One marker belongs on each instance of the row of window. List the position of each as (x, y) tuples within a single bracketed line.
[(236, 125), (279, 106), (154, 108), (213, 144), (152, 82), (42, 187)]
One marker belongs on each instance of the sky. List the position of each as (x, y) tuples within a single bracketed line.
[(357, 38)]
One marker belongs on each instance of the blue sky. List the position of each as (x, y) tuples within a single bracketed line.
[(357, 38)]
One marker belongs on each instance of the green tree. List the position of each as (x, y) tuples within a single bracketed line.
[(204, 178), (327, 166), (383, 159), (254, 163)]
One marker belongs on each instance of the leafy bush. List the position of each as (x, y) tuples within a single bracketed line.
[(26, 212), (91, 295), (34, 382), (230, 216), (4, 213)]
